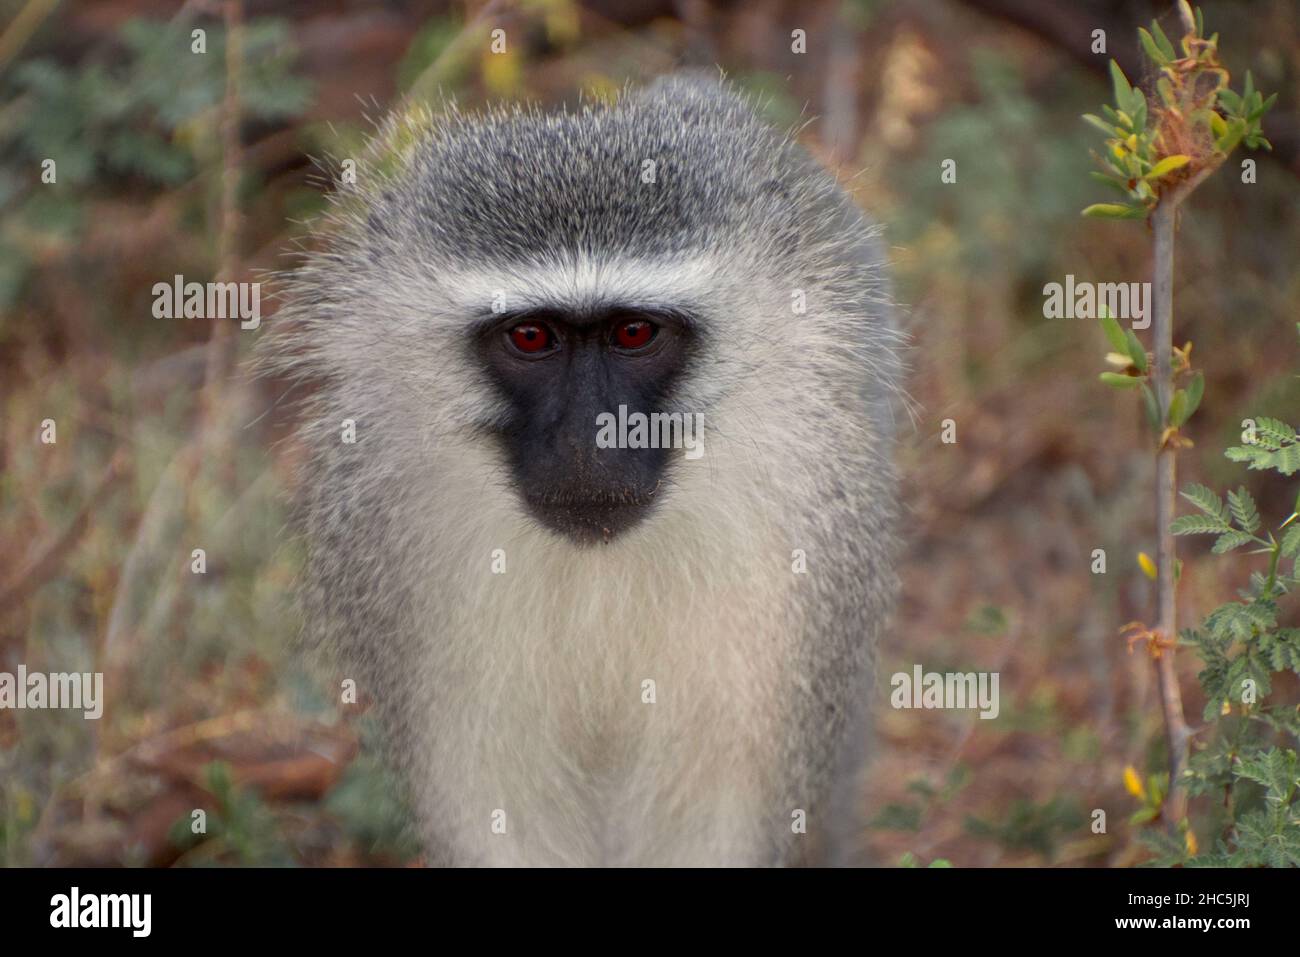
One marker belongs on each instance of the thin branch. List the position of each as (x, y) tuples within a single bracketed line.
[(220, 347), (1162, 223), (22, 27)]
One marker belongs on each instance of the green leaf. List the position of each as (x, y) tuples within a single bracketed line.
[(1198, 525), (1230, 540), (1114, 333), (1259, 456), (1162, 41), (1139, 111), (1135, 351), (1152, 49), (1195, 390), (1100, 124), (1260, 110), (1239, 622), (1291, 542), (1142, 815), (1229, 140), (1208, 501), (1178, 408), (1254, 456), (1114, 182), (1287, 461), (1244, 511), (1150, 407), (1123, 91), (1281, 649), (1117, 380), (1275, 769), (1230, 99), (1273, 433)]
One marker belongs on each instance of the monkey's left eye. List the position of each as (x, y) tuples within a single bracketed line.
[(531, 338), (635, 334)]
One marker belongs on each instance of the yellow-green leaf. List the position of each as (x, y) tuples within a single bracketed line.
[(1115, 211), (1098, 122), (1168, 165)]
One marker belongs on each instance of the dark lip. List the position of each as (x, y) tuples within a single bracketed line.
[(611, 500), (587, 503), (588, 522)]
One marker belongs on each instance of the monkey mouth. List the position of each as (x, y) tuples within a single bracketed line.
[(592, 520)]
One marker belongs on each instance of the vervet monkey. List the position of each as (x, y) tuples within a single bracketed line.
[(583, 654)]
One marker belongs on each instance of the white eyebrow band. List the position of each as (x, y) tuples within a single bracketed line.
[(583, 285)]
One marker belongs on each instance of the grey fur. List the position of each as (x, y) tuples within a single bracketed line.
[(763, 704)]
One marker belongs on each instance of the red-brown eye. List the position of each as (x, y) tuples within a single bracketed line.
[(530, 338), (634, 334)]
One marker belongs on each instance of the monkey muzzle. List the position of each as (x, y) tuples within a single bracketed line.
[(588, 516)]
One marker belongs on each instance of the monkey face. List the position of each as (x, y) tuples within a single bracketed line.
[(563, 374)]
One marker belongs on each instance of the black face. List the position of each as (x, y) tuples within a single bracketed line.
[(560, 371)]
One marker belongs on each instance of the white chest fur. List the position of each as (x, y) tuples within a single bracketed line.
[(602, 705)]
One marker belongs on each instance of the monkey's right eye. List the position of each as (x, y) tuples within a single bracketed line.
[(531, 339)]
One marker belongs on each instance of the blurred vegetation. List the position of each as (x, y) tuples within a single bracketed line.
[(143, 118), (207, 707), (1243, 749)]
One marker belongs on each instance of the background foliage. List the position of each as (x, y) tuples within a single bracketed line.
[(207, 708)]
